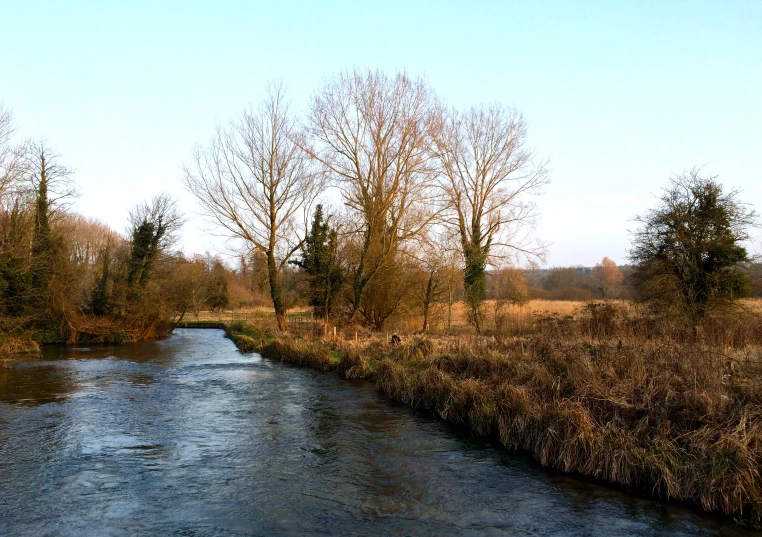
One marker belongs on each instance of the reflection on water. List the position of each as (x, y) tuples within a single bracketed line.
[(186, 436)]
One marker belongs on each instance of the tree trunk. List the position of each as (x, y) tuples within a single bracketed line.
[(274, 277), (449, 307), (476, 318), (358, 287), (427, 301)]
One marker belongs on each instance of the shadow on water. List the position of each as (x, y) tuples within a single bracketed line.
[(186, 436)]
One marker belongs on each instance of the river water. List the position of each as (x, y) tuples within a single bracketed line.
[(187, 436)]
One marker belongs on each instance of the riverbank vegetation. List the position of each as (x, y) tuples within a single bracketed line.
[(607, 391), (68, 278)]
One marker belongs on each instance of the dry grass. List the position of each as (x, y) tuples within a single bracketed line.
[(673, 420), (602, 390), (15, 345)]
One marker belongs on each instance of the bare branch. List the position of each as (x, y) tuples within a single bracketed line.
[(257, 183), (372, 136)]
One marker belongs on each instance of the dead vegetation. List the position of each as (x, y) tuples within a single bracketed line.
[(17, 345), (605, 391)]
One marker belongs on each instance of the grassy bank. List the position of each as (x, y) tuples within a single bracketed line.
[(99, 331), (16, 346), (604, 393)]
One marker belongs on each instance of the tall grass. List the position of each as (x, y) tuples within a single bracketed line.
[(605, 390), (17, 345)]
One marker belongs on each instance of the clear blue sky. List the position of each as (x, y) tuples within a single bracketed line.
[(619, 95)]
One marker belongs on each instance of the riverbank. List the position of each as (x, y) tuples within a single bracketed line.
[(679, 419), (11, 347), (18, 338)]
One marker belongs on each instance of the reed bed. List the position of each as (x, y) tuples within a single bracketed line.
[(604, 391)]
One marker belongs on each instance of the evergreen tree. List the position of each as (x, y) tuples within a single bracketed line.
[(146, 240), (474, 285), (14, 269), (46, 251), (320, 262), (217, 297), (99, 303)]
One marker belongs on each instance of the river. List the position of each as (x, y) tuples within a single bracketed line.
[(186, 436)]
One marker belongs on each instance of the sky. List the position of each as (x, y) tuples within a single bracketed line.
[(620, 96)]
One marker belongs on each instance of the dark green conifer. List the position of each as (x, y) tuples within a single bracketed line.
[(320, 262), (99, 303)]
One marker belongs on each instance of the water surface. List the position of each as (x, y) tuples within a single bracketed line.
[(187, 436)]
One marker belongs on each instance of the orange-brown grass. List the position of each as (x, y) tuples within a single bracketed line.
[(495, 312), (671, 419), (605, 391), (18, 345)]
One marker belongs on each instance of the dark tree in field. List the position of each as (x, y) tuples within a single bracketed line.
[(217, 297), (688, 248), (319, 261)]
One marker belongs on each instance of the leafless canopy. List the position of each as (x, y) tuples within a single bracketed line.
[(256, 181), (87, 237), (488, 176), (10, 155), (41, 160), (372, 134), (162, 212)]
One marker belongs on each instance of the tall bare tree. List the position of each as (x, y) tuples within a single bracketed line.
[(488, 176), (256, 181), (372, 135), (42, 169), (10, 155), (51, 183)]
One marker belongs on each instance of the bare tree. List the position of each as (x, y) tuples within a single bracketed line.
[(372, 135), (86, 238), (487, 177), (10, 155), (431, 256), (256, 182), (163, 213), (42, 169)]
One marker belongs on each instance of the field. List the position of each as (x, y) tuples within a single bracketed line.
[(520, 316)]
